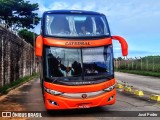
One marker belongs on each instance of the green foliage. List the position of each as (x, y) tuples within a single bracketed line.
[(151, 58), (145, 73), (148, 63), (119, 58), (4, 89), (19, 13), (28, 36)]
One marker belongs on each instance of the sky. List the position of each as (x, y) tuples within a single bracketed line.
[(138, 21)]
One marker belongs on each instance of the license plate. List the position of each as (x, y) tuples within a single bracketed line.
[(83, 106)]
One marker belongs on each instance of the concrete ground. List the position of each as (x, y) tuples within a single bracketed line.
[(28, 97)]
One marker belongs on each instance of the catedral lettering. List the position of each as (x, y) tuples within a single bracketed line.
[(77, 43), (76, 56)]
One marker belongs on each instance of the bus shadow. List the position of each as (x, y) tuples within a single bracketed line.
[(89, 112)]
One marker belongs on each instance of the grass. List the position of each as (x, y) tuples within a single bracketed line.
[(5, 89), (139, 72)]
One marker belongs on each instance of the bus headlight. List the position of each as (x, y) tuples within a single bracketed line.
[(109, 88), (53, 92)]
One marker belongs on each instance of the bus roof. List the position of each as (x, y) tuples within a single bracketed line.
[(72, 12)]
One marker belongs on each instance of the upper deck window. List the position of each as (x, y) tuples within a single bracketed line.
[(75, 25)]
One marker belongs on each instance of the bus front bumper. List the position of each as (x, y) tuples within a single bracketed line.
[(57, 102)]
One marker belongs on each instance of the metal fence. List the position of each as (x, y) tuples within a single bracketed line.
[(148, 63), (16, 57)]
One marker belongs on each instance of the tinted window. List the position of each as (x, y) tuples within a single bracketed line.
[(79, 63), (76, 25)]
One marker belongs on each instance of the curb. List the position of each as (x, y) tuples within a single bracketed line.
[(16, 86), (127, 89), (120, 86), (155, 97), (137, 92)]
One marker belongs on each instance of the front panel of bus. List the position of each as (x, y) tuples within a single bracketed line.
[(76, 76)]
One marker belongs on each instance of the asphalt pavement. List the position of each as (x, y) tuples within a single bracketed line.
[(145, 83), (28, 97)]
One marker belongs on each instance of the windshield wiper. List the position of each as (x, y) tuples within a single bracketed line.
[(60, 79), (98, 77), (55, 80)]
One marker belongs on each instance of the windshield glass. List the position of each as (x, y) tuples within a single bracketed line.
[(75, 25), (63, 62), (97, 62), (70, 64)]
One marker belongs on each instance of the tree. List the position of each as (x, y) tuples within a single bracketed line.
[(19, 13), (28, 36), (120, 58)]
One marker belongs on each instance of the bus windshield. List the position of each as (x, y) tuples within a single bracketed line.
[(79, 64), (69, 25)]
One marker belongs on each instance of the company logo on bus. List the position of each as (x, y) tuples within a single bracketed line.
[(84, 96), (77, 43)]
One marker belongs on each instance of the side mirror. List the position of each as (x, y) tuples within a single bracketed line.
[(39, 46), (123, 43)]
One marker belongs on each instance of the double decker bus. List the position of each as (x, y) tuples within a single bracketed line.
[(77, 65)]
